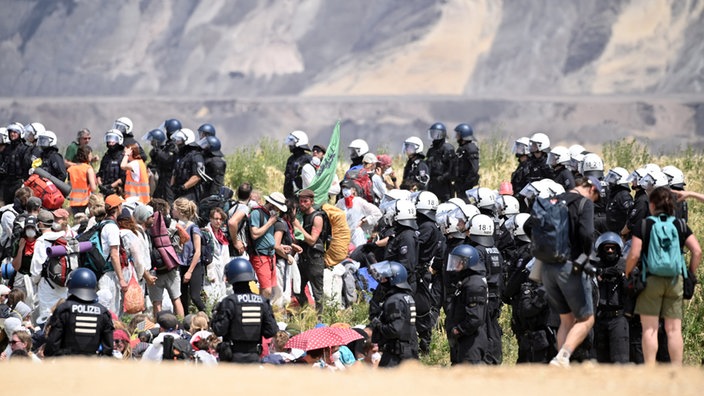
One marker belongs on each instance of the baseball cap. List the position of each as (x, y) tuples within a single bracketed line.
[(307, 193), (60, 213), (369, 158), (45, 217), (33, 203), (142, 213), (113, 201), (320, 148), (167, 321)]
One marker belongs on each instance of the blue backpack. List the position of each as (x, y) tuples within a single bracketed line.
[(550, 239), (664, 256)]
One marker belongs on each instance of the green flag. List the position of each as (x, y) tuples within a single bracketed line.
[(328, 166)]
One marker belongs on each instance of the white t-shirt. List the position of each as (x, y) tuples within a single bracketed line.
[(109, 236)]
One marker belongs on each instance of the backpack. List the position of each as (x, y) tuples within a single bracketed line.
[(206, 246), (52, 198), (550, 240), (57, 269), (336, 234), (94, 259), (206, 205), (664, 257), (6, 249), (362, 182)]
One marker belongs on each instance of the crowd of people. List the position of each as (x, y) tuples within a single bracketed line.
[(164, 236)]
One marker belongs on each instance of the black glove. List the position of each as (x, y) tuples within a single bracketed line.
[(611, 272), (178, 190), (369, 247), (375, 324), (106, 190)]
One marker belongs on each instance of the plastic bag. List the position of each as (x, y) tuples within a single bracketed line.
[(133, 301)]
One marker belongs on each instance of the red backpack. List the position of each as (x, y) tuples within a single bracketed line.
[(362, 182), (52, 198)]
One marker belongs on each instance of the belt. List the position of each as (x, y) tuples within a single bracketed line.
[(610, 314)]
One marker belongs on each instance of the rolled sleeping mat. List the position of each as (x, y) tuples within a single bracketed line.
[(58, 250), (65, 188)]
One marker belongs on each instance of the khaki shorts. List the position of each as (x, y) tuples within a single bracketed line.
[(170, 281), (661, 297)]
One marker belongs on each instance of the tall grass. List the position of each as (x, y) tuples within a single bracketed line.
[(263, 165)]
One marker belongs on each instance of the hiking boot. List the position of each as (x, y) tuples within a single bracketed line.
[(559, 361)]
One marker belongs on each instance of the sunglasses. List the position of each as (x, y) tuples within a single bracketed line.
[(13, 342)]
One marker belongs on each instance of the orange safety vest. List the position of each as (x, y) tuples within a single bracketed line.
[(80, 189), (139, 188)]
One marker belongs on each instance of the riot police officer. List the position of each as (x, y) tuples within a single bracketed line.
[(416, 174), (467, 160), (16, 167), (403, 245), (242, 318), (538, 167), (206, 130), (358, 148), (163, 159), (297, 142), (80, 325), (467, 308), (559, 159), (52, 160), (215, 165), (611, 333), (394, 329), (519, 177), (110, 175), (441, 161), (190, 166), (619, 202), (481, 237)]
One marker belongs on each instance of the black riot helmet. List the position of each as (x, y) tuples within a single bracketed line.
[(394, 271), (81, 284), (206, 130), (239, 270), (171, 125), (609, 239), (211, 144), (464, 132), (437, 131)]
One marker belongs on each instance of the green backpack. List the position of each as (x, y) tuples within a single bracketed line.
[(664, 257)]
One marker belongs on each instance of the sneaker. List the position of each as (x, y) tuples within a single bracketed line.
[(559, 361)]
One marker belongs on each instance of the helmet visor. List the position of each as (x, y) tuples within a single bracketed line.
[(436, 134), (179, 137), (473, 195), (380, 270), (291, 141), (44, 141), (112, 138), (203, 143), (529, 191), (534, 146), (612, 177), (647, 182), (553, 159), (120, 126), (520, 149), (409, 148)]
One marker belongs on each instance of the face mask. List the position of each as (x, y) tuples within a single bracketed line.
[(252, 204), (30, 233), (348, 202), (315, 162), (346, 192)]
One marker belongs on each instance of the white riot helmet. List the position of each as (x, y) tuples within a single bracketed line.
[(426, 203), (559, 155), (481, 230), (124, 125), (618, 177), (576, 150), (653, 180), (33, 129), (16, 127), (510, 206), (521, 146), (4, 138), (592, 165), (190, 136), (675, 177), (413, 145), (652, 167), (114, 136), (297, 139), (396, 193), (358, 148), (518, 230), (46, 139), (636, 175), (539, 142), (448, 224), (483, 198), (405, 213)]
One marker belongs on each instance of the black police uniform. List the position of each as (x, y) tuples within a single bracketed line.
[(639, 211), (441, 161), (611, 333), (416, 173), (448, 287), (215, 168), (564, 177), (292, 174), (162, 162), (618, 208), (242, 319), (110, 170), (467, 312), (16, 169), (519, 179), (538, 168), (403, 248), (189, 162), (79, 328), (53, 162), (491, 257), (466, 168), (427, 302), (395, 329)]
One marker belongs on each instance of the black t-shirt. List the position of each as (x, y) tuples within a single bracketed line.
[(682, 229)]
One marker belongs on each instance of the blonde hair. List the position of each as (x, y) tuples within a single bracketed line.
[(186, 207), (199, 322)]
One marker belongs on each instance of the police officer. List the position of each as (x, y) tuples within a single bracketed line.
[(358, 148), (52, 160), (206, 130), (297, 142), (559, 159), (190, 166), (215, 165), (639, 210), (467, 160), (429, 250), (538, 167), (163, 158), (519, 177), (481, 237), (80, 325), (619, 200), (243, 318), (394, 329), (467, 309), (441, 161), (16, 167), (416, 174), (110, 175), (611, 336), (403, 245)]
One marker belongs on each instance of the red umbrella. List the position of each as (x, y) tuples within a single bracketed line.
[(322, 337)]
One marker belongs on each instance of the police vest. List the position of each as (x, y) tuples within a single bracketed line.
[(83, 330), (80, 190), (14, 155), (110, 168), (138, 188), (247, 322), (493, 263)]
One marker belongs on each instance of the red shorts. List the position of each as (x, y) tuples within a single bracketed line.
[(265, 268)]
